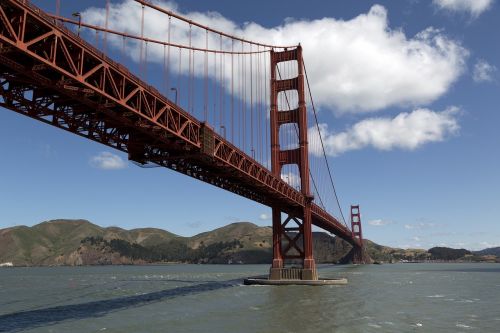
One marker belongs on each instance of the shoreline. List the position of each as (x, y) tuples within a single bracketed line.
[(243, 264)]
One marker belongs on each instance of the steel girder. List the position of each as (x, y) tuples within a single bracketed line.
[(50, 74)]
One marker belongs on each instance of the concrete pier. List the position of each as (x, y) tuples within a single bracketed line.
[(263, 280)]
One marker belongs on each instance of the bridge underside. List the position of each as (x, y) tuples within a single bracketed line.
[(34, 95), (51, 75)]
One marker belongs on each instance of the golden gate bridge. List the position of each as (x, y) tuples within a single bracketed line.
[(238, 119)]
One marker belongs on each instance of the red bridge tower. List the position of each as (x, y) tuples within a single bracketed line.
[(292, 239), (357, 233)]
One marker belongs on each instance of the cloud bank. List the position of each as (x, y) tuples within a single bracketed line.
[(379, 222), (483, 71), (356, 65), (420, 226), (107, 161), (473, 7), (406, 131), (264, 217)]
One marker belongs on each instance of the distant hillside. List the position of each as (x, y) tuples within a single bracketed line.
[(492, 251), (79, 242), (55, 242), (387, 254), (251, 236), (445, 253)]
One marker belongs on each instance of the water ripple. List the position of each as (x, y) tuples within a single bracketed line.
[(23, 320)]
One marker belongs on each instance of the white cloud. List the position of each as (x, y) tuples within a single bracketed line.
[(412, 245), (420, 226), (475, 245), (473, 7), (379, 222), (107, 161), (356, 65), (264, 217), (486, 245), (406, 131), (483, 71), (416, 238), (194, 224)]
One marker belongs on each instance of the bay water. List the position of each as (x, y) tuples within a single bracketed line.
[(446, 297)]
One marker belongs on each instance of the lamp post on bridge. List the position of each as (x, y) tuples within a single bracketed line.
[(175, 90), (79, 15)]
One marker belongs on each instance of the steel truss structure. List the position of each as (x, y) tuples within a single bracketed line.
[(52, 75)]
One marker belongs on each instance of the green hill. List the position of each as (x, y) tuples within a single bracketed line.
[(445, 253), (79, 242), (387, 254), (495, 251), (54, 242)]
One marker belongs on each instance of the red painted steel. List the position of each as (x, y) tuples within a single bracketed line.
[(146, 39), (50, 74), (357, 233), (291, 242), (204, 27)]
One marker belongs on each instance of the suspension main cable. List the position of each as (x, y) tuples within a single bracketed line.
[(322, 144), (218, 32), (145, 39)]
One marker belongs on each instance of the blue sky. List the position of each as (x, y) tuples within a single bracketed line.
[(412, 136)]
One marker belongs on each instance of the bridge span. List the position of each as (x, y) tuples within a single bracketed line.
[(50, 73)]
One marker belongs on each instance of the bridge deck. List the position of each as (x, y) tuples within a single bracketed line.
[(50, 74)]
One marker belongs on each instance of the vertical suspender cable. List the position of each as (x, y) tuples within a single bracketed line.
[(221, 90), (259, 106), (168, 54), (244, 104), (167, 67), (178, 91), (239, 103), (123, 49), (252, 147), (223, 94), (190, 54), (205, 83), (146, 61), (268, 109), (141, 57), (191, 72), (165, 86), (106, 26), (215, 91), (193, 85), (232, 90)]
